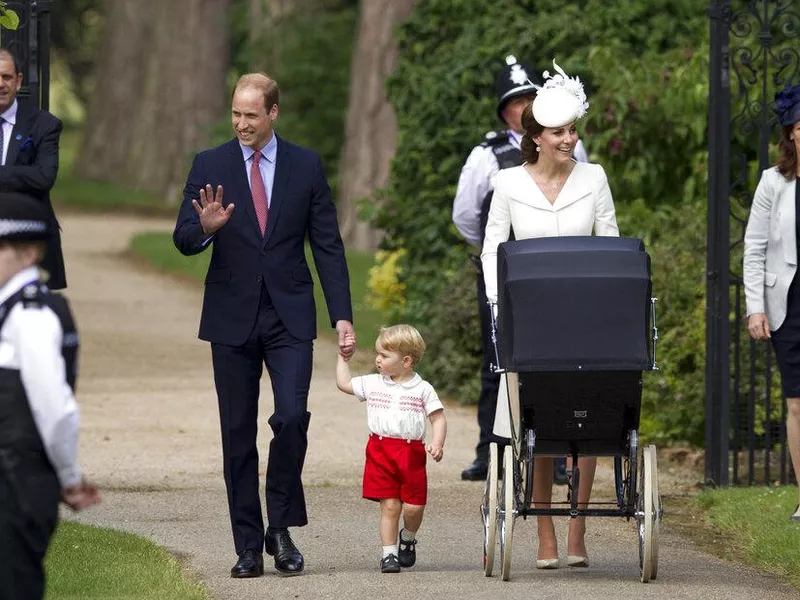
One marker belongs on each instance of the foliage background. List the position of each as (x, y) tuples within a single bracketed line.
[(308, 53), (645, 67)]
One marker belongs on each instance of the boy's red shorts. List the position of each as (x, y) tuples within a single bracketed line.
[(395, 468)]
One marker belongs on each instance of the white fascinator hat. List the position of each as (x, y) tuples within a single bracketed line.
[(560, 100)]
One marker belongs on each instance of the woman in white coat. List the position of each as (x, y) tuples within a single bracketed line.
[(772, 291), (550, 195)]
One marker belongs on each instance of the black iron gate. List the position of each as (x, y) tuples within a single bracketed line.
[(30, 43), (753, 53)]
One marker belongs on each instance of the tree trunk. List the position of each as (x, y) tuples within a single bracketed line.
[(160, 85), (371, 129)]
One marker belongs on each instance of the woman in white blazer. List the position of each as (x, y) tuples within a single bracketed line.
[(772, 291), (549, 195)]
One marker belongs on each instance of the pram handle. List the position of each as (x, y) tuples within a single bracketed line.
[(495, 367), (653, 301)]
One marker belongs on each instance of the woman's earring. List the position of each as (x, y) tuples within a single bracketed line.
[(538, 149)]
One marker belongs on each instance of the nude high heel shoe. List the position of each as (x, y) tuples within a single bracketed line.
[(547, 563)]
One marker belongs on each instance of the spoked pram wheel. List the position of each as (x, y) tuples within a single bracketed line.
[(658, 513), (647, 514), (489, 511), (507, 514)]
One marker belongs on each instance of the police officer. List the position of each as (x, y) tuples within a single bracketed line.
[(499, 150), (38, 413)]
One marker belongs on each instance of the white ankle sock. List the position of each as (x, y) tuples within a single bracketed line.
[(387, 550), (407, 535)]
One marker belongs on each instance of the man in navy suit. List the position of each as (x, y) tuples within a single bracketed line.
[(258, 308), (29, 156)]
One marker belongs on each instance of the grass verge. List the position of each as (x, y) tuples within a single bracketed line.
[(86, 562), (72, 193), (749, 525), (157, 249)]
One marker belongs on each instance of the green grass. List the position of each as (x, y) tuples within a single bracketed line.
[(87, 562), (756, 527), (158, 250), (98, 196)]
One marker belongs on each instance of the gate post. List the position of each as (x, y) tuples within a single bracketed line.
[(717, 417), (31, 45)]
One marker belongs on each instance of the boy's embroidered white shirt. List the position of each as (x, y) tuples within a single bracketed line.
[(397, 409)]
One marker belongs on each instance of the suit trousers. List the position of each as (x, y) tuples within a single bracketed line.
[(29, 497), (237, 373)]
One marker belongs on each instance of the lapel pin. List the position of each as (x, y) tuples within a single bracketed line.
[(19, 137)]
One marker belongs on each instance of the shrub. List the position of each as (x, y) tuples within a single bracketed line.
[(645, 67)]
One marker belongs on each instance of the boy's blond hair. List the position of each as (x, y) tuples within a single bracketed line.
[(404, 339)]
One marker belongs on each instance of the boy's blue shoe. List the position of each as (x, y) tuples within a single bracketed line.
[(796, 515)]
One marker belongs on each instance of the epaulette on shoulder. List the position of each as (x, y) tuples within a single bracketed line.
[(494, 138), (32, 295)]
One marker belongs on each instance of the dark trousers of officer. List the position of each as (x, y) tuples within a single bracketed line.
[(490, 381), (490, 384), (29, 497), (237, 373)]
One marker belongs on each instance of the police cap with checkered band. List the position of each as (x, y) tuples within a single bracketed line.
[(23, 218)]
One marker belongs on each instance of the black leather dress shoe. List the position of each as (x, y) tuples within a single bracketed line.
[(288, 559), (475, 472), (250, 564)]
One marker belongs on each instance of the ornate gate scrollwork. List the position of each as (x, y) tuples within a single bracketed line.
[(753, 54)]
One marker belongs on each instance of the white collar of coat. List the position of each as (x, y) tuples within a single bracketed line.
[(524, 188)]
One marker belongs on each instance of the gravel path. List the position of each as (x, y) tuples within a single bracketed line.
[(150, 439)]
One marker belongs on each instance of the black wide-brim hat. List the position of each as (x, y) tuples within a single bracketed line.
[(23, 218), (516, 79)]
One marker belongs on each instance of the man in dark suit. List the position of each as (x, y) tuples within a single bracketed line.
[(29, 161), (259, 308)]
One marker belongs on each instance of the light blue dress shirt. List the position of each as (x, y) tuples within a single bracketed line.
[(266, 165)]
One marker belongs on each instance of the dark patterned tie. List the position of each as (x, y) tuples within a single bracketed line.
[(2, 141), (259, 192)]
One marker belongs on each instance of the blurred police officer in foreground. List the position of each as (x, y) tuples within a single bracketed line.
[(38, 413)]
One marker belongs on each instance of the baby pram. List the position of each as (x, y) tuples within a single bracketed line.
[(575, 328)]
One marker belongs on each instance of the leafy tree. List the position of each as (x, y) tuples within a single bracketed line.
[(9, 19), (645, 68), (308, 53)]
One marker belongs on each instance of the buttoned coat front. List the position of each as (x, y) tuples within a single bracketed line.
[(583, 204), (770, 247)]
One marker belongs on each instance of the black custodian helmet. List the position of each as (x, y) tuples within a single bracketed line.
[(516, 79)]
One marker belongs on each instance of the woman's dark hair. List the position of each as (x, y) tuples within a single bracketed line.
[(787, 156), (532, 128)]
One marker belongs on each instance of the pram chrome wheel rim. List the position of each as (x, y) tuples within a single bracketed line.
[(646, 515), (507, 514), (489, 510), (657, 512)]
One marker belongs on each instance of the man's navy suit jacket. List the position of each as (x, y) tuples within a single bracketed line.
[(31, 167), (242, 261)]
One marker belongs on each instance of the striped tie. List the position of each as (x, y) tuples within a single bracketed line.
[(259, 192), (2, 142)]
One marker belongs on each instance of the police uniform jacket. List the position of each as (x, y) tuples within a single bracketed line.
[(38, 347)]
